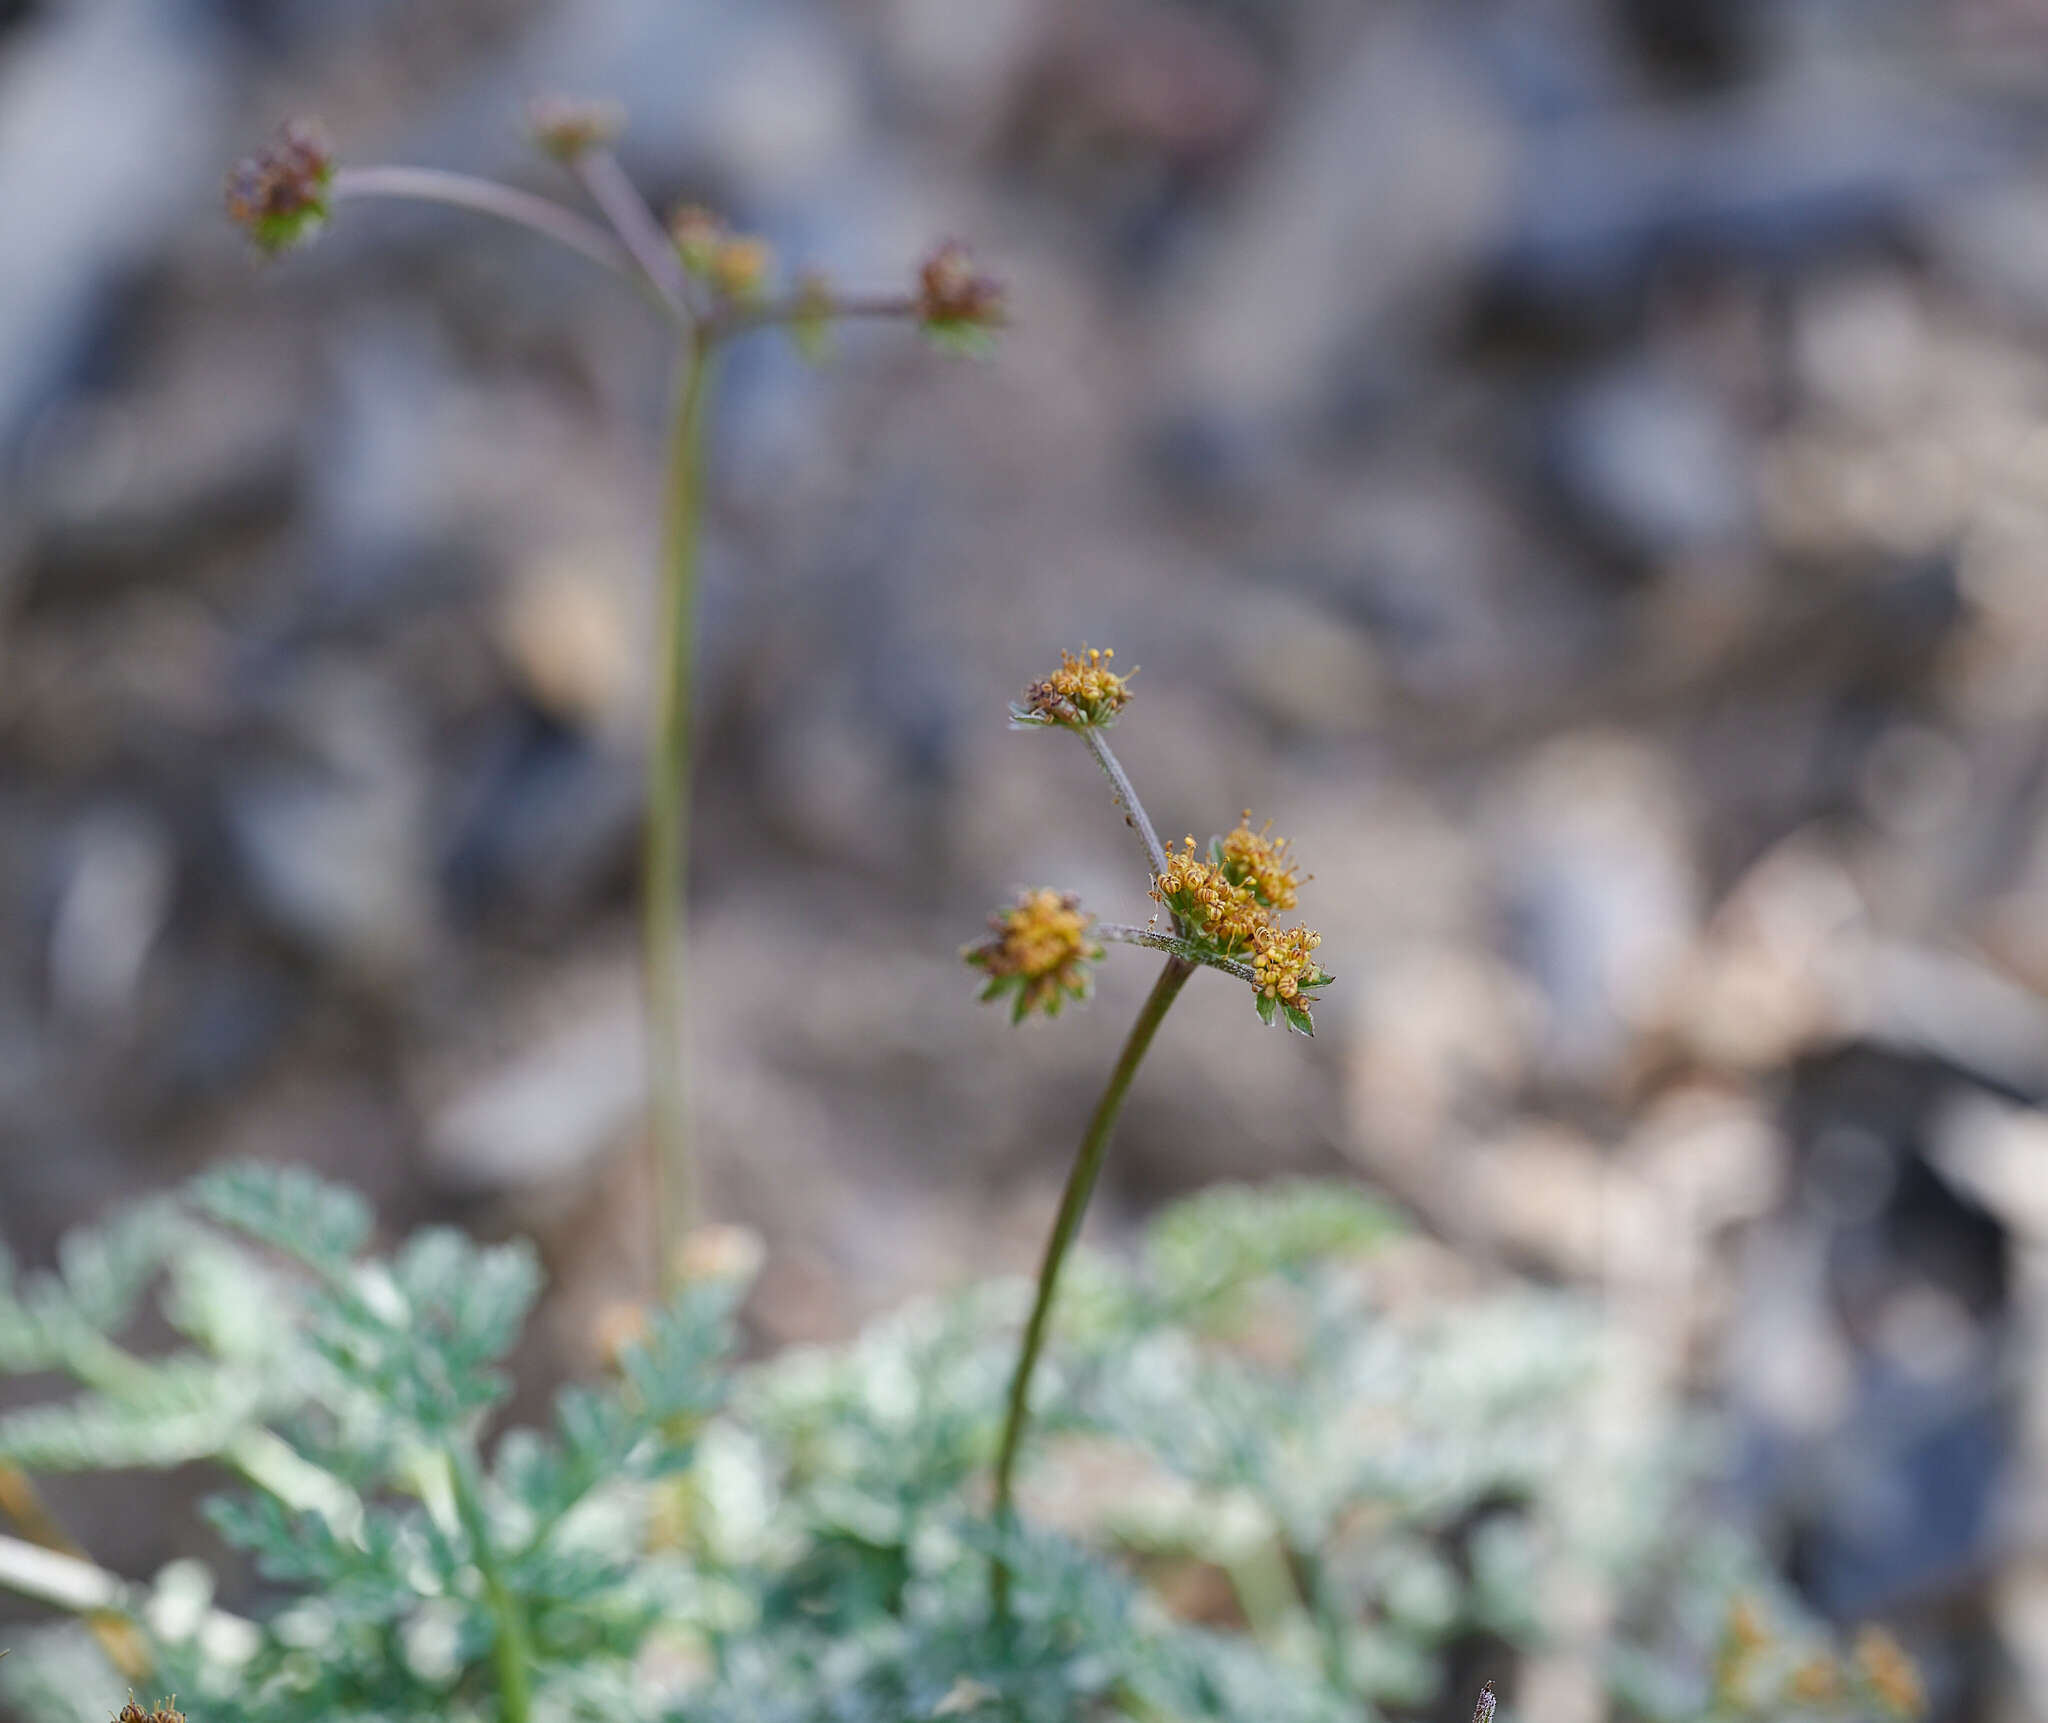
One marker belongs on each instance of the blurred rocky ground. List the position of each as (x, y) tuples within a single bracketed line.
[(1581, 467)]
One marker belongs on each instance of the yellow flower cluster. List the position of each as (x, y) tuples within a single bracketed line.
[(1255, 859), (1226, 902), (1210, 905), (1892, 1677), (1081, 692), (1040, 951), (1756, 1675), (1284, 961)]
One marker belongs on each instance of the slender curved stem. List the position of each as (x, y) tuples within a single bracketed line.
[(609, 187), (1126, 796), (1186, 949), (509, 1652), (1066, 1227), (486, 197), (665, 867)]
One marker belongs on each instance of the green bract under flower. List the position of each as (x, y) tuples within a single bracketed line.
[(280, 198), (1038, 952)]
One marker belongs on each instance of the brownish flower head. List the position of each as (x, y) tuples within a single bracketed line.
[(1256, 859), (1081, 692), (955, 305), (568, 127), (280, 198), (1890, 1674), (166, 1712), (740, 267), (1039, 951)]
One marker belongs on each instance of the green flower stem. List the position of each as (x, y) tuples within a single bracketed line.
[(486, 197), (1066, 1226), (1126, 796), (510, 1653), (1173, 945), (667, 839)]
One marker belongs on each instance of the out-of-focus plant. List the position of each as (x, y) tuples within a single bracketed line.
[(1273, 1486), (1222, 911), (712, 286)]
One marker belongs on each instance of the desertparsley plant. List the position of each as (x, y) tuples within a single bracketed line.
[(1221, 912), (711, 287)]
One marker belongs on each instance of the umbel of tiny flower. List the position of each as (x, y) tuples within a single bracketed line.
[(959, 308), (280, 197), (1082, 693), (1038, 951), (736, 266), (166, 1711), (1224, 903)]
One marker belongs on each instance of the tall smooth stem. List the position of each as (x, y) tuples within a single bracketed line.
[(1066, 1227), (665, 862)]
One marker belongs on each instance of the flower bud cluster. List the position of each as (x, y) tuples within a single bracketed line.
[(956, 305), (738, 267), (280, 197), (1038, 951), (1759, 1674)]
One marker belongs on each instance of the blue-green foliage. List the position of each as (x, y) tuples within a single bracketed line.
[(1267, 1485)]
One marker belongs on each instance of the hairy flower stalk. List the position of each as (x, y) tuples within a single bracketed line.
[(713, 286), (1221, 909)]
